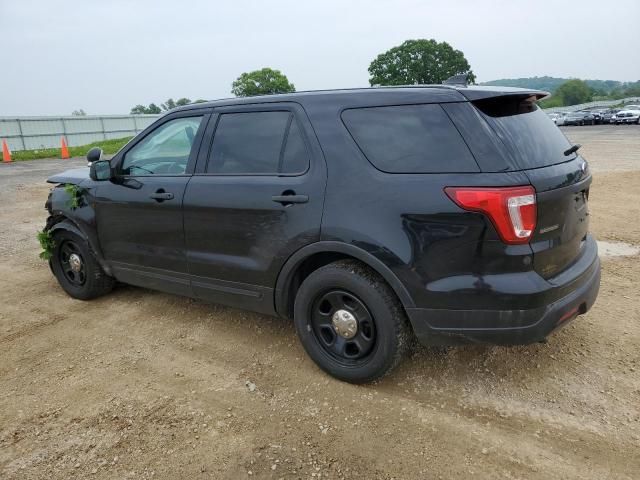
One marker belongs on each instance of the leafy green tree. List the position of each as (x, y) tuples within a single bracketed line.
[(419, 62), (141, 109), (153, 108), (138, 110), (573, 92), (170, 104), (551, 102), (79, 113), (262, 82)]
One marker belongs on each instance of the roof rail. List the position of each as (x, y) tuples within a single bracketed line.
[(459, 80)]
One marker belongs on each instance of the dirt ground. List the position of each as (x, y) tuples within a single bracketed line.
[(140, 384)]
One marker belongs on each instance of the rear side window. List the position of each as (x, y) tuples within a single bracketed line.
[(409, 139), (259, 143)]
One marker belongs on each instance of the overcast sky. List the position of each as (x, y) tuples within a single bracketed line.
[(106, 56)]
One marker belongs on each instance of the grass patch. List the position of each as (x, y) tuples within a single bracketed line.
[(109, 147), (47, 244)]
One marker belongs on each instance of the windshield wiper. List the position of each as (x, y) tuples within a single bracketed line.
[(571, 150)]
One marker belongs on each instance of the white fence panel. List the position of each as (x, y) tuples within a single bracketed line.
[(32, 133)]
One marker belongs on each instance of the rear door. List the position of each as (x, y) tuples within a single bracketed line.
[(510, 133), (256, 197), (139, 213)]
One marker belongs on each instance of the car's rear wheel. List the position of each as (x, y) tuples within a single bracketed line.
[(350, 322), (76, 268)]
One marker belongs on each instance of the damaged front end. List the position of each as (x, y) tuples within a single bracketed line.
[(71, 207)]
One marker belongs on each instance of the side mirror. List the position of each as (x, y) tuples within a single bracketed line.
[(100, 170), (94, 155)]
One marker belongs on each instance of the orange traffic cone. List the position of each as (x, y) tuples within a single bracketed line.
[(63, 148), (6, 153)]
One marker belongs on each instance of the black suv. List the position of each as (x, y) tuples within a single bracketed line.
[(369, 216)]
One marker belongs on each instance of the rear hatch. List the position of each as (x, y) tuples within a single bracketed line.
[(527, 140)]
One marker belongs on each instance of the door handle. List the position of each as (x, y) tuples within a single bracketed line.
[(160, 195), (290, 198)]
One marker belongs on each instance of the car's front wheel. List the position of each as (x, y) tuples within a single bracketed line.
[(76, 268), (350, 322)]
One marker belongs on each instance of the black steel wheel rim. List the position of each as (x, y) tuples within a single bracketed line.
[(73, 275), (349, 351)]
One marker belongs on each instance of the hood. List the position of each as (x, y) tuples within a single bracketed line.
[(74, 176)]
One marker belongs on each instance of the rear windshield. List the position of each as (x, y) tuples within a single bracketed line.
[(409, 139), (529, 135)]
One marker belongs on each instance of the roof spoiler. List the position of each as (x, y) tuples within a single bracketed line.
[(458, 80)]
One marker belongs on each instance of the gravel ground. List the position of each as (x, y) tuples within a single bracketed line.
[(141, 384)]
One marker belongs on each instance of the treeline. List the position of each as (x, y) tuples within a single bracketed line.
[(413, 62), (426, 61), (565, 92), (164, 107), (574, 92)]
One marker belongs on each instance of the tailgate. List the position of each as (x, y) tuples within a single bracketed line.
[(562, 193)]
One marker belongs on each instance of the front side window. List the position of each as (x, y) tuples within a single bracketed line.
[(257, 143), (165, 151)]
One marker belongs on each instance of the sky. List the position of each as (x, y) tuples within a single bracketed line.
[(105, 56)]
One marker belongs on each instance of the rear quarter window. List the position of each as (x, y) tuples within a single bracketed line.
[(409, 139)]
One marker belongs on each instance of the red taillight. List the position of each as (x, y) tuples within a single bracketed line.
[(512, 210)]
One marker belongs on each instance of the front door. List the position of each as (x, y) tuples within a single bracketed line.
[(256, 197), (139, 213)]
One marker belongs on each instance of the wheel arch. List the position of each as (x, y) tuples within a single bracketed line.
[(61, 222), (316, 255)]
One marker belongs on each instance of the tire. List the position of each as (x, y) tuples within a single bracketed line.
[(89, 281), (382, 334)]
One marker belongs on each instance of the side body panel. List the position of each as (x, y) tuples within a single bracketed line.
[(141, 235), (237, 236), (446, 258)]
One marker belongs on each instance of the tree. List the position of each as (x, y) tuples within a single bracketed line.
[(153, 109), (170, 104), (419, 62), (79, 113), (573, 92), (166, 106), (138, 110), (141, 109), (261, 82)]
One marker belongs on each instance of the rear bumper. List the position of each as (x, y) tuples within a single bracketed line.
[(506, 327)]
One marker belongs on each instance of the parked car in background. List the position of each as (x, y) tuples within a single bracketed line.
[(579, 118), (609, 115), (558, 117), (555, 117), (289, 205), (598, 115), (628, 115), (562, 118)]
